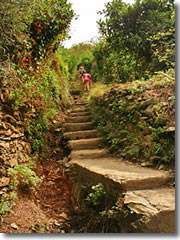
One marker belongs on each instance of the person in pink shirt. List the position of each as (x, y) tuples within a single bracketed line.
[(86, 81)]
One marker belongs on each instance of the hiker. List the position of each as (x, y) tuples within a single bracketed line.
[(81, 70), (86, 81)]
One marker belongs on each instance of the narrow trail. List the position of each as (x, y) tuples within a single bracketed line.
[(54, 207)]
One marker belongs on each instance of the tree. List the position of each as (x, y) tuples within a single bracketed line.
[(127, 29)]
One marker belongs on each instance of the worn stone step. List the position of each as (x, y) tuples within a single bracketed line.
[(79, 109), (74, 127), (156, 208), (78, 114), (90, 143), (78, 119), (81, 134), (118, 175), (88, 154), (79, 104)]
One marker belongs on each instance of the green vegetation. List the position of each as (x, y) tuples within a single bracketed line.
[(137, 40), (99, 211), (35, 73), (135, 60), (6, 203), (24, 176), (135, 124)]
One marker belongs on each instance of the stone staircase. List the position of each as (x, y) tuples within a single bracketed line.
[(145, 190)]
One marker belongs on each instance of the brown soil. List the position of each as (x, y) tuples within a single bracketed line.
[(47, 210)]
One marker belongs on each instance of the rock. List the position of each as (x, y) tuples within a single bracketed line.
[(161, 167), (63, 215), (155, 209), (4, 145), (149, 111), (148, 102), (170, 129), (2, 171), (4, 181), (13, 225), (6, 133), (13, 162), (131, 107), (65, 160), (58, 130), (146, 164), (139, 204), (16, 136), (130, 97)]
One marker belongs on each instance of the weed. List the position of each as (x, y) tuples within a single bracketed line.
[(5, 206), (23, 174), (96, 197), (6, 203)]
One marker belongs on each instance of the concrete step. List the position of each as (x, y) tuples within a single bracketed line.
[(78, 119), (88, 154), (118, 175), (78, 114), (74, 127), (81, 134), (91, 143)]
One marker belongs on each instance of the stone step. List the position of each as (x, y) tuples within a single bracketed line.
[(80, 134), (78, 114), (118, 175), (88, 154), (156, 208), (79, 109), (74, 127), (78, 119), (81, 144), (79, 104)]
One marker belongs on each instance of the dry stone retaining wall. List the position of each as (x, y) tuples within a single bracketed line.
[(14, 148)]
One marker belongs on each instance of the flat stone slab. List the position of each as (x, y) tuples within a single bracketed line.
[(81, 134), (118, 175), (90, 143), (157, 208)]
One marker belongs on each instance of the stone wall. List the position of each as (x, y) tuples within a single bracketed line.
[(137, 120), (14, 148)]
